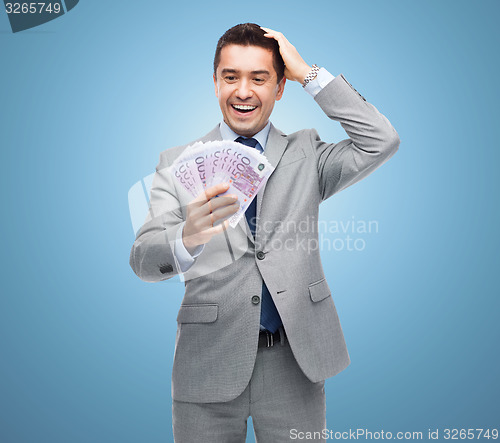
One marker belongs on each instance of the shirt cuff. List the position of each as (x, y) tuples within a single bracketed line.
[(321, 80), (183, 258)]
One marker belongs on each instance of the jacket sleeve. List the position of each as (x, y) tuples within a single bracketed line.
[(152, 254), (372, 139)]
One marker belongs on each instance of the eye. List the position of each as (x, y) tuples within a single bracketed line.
[(230, 78), (258, 80)]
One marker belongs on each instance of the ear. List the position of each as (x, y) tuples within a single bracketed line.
[(281, 88), (216, 88)]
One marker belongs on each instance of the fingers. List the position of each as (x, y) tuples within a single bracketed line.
[(215, 190), (205, 213), (217, 229), (272, 33), (218, 202), (205, 230), (206, 195), (208, 203), (224, 212), (278, 36), (210, 212)]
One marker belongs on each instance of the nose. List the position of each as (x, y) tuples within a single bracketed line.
[(244, 90)]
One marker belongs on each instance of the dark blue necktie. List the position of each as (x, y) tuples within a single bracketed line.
[(269, 316)]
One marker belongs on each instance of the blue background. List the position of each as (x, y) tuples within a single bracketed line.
[(88, 101)]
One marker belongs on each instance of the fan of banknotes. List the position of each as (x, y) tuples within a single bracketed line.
[(202, 165)]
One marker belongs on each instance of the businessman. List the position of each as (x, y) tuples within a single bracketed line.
[(258, 332)]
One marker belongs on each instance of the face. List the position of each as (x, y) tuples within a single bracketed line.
[(246, 86)]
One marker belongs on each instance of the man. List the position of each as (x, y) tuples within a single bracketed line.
[(258, 332)]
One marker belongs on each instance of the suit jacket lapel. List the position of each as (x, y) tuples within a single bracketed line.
[(213, 135), (275, 147)]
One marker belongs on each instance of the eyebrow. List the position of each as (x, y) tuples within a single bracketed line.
[(236, 71)]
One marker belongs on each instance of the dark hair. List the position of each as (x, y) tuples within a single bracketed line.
[(250, 34)]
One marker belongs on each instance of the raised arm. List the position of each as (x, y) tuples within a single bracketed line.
[(372, 139)]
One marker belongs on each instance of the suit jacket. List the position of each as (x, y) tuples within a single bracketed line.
[(219, 318)]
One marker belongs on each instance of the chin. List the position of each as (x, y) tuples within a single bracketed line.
[(242, 130)]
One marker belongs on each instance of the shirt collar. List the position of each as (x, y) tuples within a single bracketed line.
[(228, 134)]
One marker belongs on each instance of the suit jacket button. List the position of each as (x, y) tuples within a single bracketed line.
[(261, 255), (165, 268), (255, 299)]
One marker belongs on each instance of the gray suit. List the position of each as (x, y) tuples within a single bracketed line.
[(218, 321)]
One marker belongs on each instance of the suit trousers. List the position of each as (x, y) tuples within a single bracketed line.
[(279, 398)]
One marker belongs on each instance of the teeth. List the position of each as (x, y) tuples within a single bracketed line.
[(244, 107)]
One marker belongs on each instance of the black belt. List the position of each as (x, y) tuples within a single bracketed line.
[(268, 339)]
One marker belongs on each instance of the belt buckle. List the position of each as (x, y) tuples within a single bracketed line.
[(270, 339)]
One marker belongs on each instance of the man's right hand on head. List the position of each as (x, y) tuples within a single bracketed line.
[(204, 212)]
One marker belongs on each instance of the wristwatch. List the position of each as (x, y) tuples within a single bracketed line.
[(311, 76)]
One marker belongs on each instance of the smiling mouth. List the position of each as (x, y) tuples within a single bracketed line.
[(244, 108)]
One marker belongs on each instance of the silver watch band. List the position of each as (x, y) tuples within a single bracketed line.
[(311, 76)]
